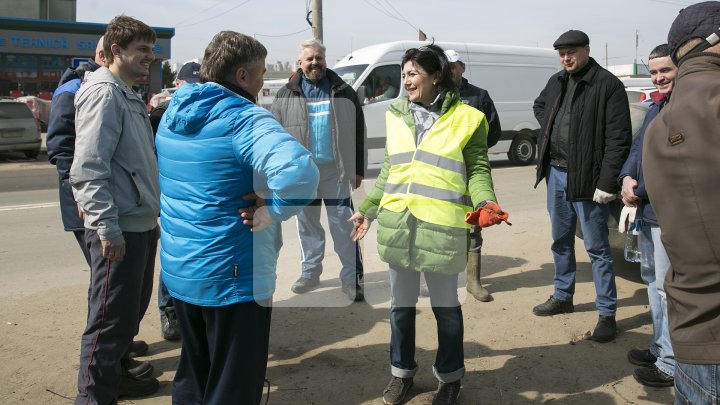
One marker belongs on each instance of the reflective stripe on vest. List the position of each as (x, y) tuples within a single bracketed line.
[(430, 180)]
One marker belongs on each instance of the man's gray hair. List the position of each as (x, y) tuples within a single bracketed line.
[(310, 43)]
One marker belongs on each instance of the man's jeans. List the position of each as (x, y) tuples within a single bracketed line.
[(449, 360), (593, 217), (338, 206), (697, 384), (653, 268)]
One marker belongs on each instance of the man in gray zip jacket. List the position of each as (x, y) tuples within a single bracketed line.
[(115, 182)]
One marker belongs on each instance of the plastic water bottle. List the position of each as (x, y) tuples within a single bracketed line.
[(632, 242)]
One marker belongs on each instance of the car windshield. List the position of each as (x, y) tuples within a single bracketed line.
[(15, 110), (350, 74)]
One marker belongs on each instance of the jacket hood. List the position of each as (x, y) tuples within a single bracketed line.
[(196, 105)]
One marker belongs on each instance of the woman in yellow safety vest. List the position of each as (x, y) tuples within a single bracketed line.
[(436, 170)]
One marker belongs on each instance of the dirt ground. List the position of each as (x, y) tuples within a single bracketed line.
[(325, 351)]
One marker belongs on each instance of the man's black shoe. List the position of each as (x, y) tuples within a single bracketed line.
[(168, 324), (641, 357), (131, 387), (554, 306), (652, 376), (396, 390), (137, 369), (138, 348), (447, 393), (354, 291), (305, 284), (604, 330)]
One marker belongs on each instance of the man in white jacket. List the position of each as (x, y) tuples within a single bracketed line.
[(115, 182)]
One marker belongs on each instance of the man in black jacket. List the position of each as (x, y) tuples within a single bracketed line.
[(584, 140), (324, 114)]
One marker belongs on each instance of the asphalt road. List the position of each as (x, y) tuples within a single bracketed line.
[(36, 254)]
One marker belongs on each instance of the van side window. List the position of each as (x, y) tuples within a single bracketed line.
[(383, 83)]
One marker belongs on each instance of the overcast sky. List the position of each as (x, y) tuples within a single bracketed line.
[(351, 24)]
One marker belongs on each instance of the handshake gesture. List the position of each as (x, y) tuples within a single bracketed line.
[(487, 214)]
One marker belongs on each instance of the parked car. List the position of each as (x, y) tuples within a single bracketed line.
[(40, 109), (19, 130), (638, 111)]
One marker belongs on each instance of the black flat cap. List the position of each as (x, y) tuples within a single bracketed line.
[(697, 21), (572, 39)]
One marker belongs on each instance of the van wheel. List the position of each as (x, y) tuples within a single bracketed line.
[(32, 154), (522, 150)]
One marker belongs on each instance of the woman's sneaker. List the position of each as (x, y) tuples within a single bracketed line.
[(396, 390)]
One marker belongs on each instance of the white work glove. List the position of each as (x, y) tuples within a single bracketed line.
[(602, 197), (627, 216)]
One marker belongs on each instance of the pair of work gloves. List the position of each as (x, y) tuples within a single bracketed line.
[(487, 214)]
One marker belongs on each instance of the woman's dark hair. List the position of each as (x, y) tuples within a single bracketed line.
[(432, 59)]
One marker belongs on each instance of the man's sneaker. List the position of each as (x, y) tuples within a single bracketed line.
[(138, 348), (396, 390), (305, 284), (554, 306), (132, 387), (652, 376), (641, 357), (604, 330), (137, 369), (354, 291), (447, 393), (168, 324)]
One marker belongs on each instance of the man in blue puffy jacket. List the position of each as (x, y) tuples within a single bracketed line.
[(217, 149)]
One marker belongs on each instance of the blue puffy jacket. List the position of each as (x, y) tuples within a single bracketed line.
[(213, 147)]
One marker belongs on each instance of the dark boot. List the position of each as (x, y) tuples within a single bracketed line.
[(474, 286)]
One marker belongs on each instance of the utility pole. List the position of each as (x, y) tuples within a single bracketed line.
[(317, 24), (606, 56)]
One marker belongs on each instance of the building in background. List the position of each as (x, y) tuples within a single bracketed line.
[(39, 39)]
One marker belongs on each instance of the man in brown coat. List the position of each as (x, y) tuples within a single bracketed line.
[(681, 162)]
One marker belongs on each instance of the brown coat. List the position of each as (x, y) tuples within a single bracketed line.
[(681, 163)]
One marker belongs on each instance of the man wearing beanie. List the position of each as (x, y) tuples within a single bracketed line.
[(584, 139), (681, 159)]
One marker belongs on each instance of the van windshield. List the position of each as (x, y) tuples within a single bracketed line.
[(350, 74)]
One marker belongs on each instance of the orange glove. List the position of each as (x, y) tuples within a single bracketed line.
[(487, 215)]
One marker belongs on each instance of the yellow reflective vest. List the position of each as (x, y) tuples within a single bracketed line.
[(430, 179)]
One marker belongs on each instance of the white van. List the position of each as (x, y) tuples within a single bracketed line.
[(514, 77)]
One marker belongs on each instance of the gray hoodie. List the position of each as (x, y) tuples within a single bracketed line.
[(114, 173)]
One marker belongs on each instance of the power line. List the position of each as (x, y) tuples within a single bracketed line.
[(198, 13), (215, 16), (383, 10), (282, 35)]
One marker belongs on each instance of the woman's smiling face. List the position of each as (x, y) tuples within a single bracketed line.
[(419, 84)]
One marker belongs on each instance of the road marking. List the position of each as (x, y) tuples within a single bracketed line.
[(29, 206)]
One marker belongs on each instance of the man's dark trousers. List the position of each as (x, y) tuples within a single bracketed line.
[(224, 353), (119, 296)]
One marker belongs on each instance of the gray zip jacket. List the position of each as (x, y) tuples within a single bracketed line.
[(114, 172)]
